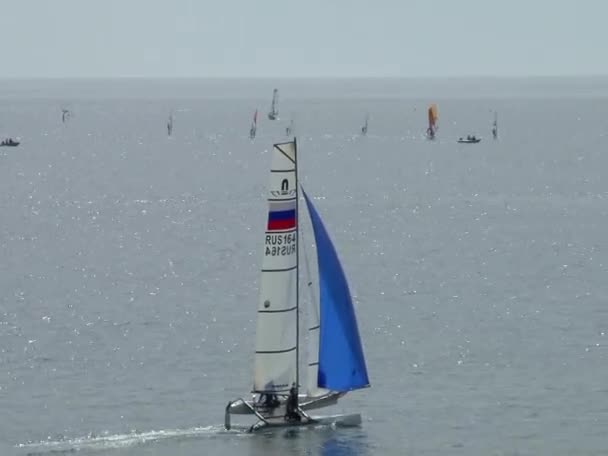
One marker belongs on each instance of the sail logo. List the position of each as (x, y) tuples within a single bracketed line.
[(291, 192), (281, 215), (285, 190)]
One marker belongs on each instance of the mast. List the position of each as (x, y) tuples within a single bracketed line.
[(295, 148)]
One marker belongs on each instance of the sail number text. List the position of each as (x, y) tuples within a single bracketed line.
[(280, 244)]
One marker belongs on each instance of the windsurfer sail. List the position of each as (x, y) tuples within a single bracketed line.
[(433, 116), (274, 107), (170, 125), (254, 125), (495, 126), (364, 127), (65, 115), (289, 130)]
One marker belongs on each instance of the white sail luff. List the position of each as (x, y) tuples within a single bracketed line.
[(313, 324), (275, 366), (314, 330)]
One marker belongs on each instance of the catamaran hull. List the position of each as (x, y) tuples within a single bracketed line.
[(468, 141), (349, 420), (276, 417), (242, 407)]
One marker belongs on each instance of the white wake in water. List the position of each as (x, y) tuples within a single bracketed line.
[(109, 441)]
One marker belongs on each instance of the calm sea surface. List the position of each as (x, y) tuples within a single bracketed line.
[(129, 263)]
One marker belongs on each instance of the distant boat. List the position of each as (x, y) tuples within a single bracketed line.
[(65, 115), (470, 139), (495, 126), (254, 125), (336, 363), (170, 125), (433, 114), (289, 130), (274, 107), (365, 125), (10, 142)]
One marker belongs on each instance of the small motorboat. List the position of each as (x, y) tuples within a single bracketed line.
[(469, 140), (10, 142)]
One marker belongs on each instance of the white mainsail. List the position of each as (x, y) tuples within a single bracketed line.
[(276, 350)]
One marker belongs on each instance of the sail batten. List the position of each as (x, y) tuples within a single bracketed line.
[(341, 362)]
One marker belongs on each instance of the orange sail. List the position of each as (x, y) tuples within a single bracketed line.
[(433, 116)]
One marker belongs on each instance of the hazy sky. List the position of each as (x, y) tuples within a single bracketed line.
[(57, 38)]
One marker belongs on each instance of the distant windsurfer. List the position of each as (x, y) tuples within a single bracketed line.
[(170, 126)]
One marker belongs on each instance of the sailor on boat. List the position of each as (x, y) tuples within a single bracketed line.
[(271, 401), (291, 412)]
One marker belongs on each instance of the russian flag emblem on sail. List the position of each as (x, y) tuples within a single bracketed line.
[(282, 215)]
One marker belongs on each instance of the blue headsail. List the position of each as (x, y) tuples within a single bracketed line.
[(341, 361)]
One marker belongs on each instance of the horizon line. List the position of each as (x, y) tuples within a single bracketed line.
[(330, 77)]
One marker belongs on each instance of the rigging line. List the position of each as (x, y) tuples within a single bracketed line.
[(313, 311), (309, 282)]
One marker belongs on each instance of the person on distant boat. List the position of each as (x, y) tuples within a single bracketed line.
[(291, 409)]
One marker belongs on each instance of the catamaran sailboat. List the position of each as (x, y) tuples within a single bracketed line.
[(433, 116), (336, 364), (274, 107), (254, 125)]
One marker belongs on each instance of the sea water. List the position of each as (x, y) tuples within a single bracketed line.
[(129, 262)]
